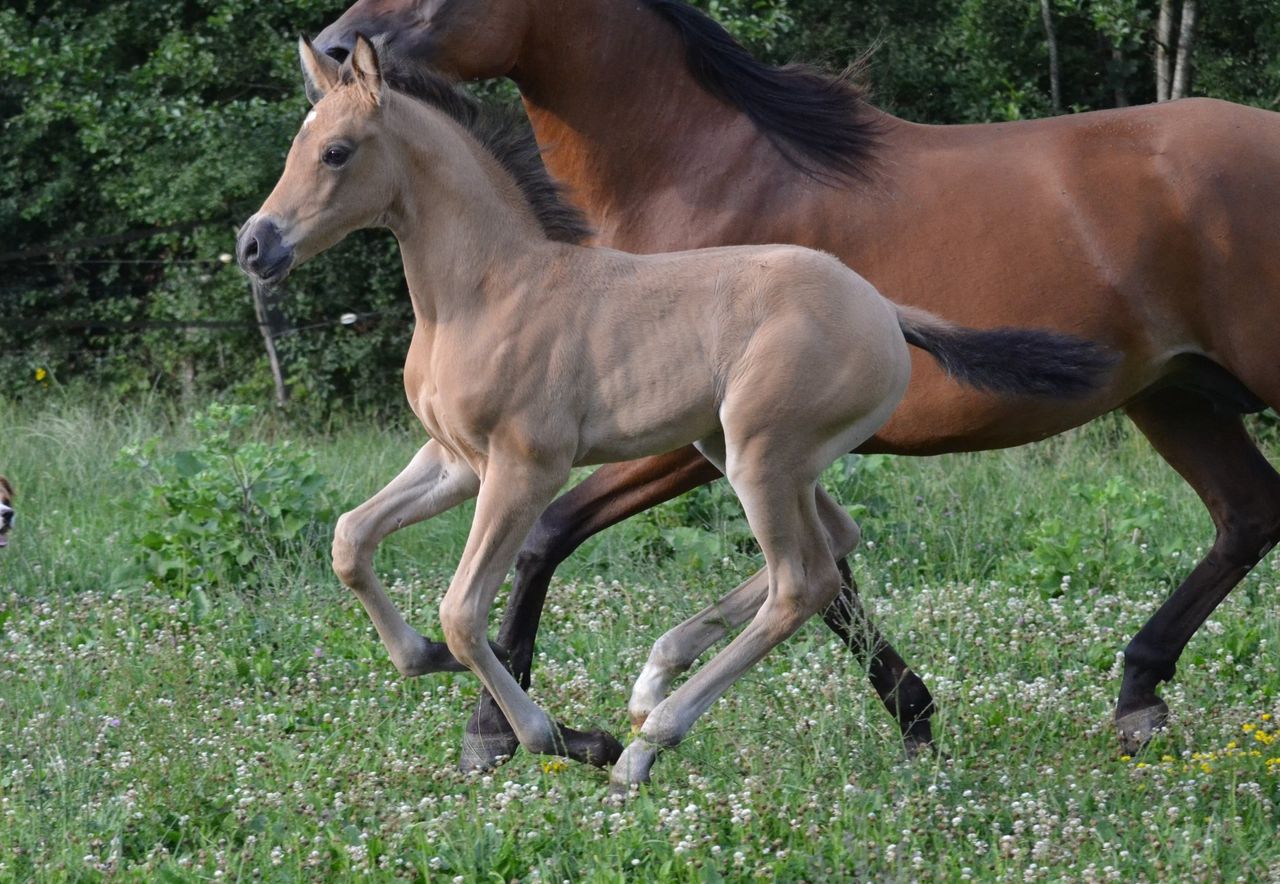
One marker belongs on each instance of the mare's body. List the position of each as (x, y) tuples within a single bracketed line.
[(1152, 229)]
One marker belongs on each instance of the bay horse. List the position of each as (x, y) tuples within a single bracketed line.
[(531, 356), (1150, 229)]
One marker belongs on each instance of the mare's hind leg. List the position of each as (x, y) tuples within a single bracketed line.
[(433, 482), (900, 689), (1214, 453)]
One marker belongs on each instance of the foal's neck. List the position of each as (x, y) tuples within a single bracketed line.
[(465, 232)]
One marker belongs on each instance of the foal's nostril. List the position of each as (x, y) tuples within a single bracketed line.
[(248, 251), (262, 251)]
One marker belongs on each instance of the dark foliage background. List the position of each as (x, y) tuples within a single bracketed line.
[(130, 115)]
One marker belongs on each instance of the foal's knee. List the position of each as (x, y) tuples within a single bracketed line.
[(799, 602), (843, 533), (844, 539), (464, 632), (670, 654), (350, 558)]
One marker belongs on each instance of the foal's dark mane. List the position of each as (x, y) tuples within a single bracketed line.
[(507, 136), (820, 122)]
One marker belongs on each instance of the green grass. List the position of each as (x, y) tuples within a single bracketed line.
[(146, 736)]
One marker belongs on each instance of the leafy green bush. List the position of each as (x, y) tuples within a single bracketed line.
[(220, 511), (1130, 518)]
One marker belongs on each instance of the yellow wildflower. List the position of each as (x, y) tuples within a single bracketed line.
[(41, 374)]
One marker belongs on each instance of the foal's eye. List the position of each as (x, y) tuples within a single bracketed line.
[(335, 155)]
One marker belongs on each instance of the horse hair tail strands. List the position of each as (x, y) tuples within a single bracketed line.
[(1013, 361)]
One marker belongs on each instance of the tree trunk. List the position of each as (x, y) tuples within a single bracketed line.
[(1186, 40), (1055, 73), (1164, 34), (1117, 65)]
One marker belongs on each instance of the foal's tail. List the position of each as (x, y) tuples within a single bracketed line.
[(1017, 361)]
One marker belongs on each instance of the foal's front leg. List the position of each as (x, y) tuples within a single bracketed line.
[(433, 482), (512, 496)]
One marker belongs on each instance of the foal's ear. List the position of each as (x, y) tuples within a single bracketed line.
[(319, 71), (368, 69)]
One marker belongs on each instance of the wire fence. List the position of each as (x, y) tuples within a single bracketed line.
[(345, 319), (271, 321)]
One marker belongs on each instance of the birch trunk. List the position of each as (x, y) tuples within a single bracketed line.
[(1164, 34), (1186, 40)]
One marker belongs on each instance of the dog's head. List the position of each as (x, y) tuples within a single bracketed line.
[(6, 510)]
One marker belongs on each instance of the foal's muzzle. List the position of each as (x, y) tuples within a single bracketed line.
[(262, 251)]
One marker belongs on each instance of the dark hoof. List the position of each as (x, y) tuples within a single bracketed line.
[(1135, 729), (916, 748), (596, 748), (917, 739), (484, 752)]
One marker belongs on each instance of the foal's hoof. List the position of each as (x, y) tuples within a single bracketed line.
[(1135, 729), (484, 752), (631, 768), (596, 748)]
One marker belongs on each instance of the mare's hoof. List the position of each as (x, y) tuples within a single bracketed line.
[(596, 748), (917, 740), (919, 747), (484, 752), (1135, 729)]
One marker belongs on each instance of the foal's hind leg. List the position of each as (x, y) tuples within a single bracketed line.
[(900, 689), (433, 482), (803, 580), (1214, 453)]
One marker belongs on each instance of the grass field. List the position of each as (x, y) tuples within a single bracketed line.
[(257, 730)]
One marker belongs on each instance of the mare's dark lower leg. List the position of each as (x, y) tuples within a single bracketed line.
[(1214, 453), (610, 494), (902, 691)]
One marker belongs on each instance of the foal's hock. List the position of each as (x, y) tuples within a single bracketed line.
[(531, 356)]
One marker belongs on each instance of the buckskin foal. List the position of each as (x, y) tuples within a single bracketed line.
[(530, 356)]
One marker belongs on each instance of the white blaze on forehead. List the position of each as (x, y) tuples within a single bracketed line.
[(310, 116)]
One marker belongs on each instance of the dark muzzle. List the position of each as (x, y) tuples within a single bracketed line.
[(262, 251)]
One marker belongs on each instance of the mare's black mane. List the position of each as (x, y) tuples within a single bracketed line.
[(820, 122), (507, 136)]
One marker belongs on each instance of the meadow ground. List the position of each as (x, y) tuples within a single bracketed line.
[(257, 730)]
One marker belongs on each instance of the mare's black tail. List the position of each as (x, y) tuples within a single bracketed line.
[(1018, 361)]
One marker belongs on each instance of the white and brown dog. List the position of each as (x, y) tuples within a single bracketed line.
[(6, 510)]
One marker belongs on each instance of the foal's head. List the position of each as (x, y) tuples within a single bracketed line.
[(340, 172), (375, 135)]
